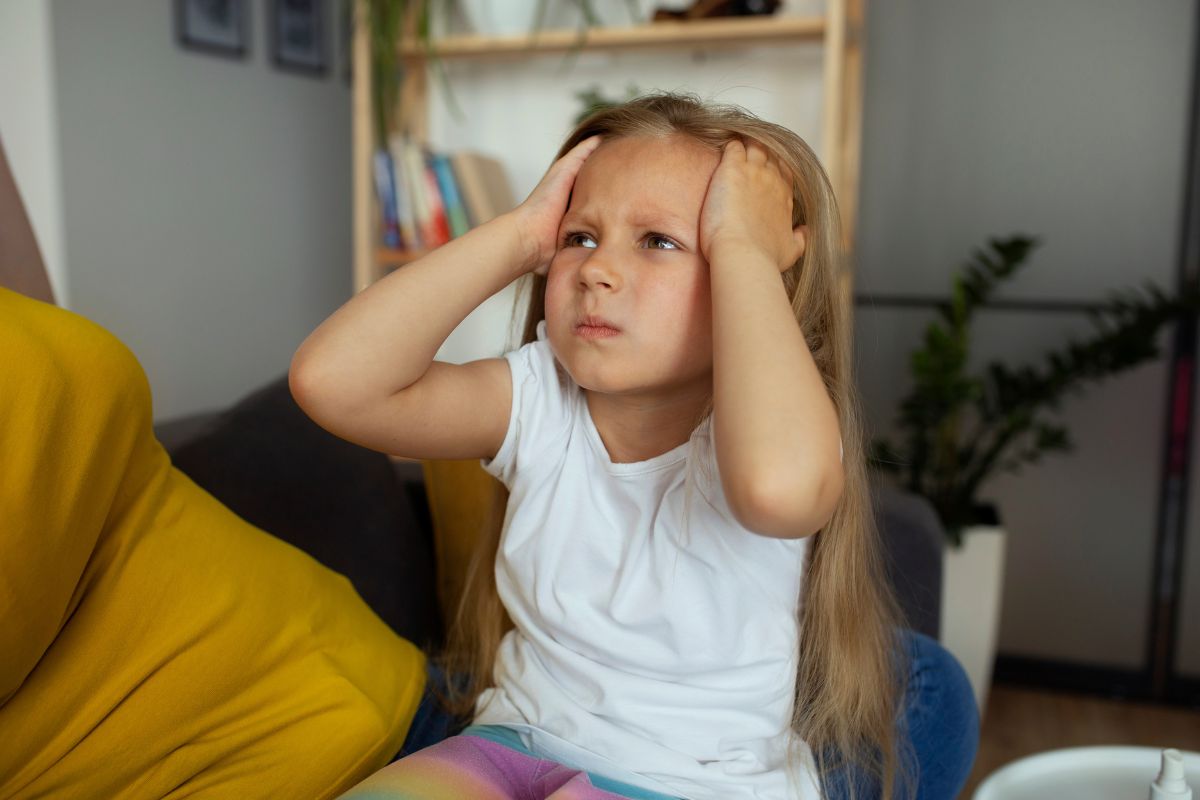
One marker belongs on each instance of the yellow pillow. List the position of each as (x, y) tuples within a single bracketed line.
[(153, 644)]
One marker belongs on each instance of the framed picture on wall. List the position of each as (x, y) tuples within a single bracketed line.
[(298, 40), (220, 27)]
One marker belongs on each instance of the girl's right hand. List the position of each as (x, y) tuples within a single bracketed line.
[(539, 217)]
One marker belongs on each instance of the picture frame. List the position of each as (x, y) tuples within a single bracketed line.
[(299, 41), (346, 12), (217, 27)]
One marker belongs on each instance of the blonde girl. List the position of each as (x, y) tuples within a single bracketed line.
[(684, 597)]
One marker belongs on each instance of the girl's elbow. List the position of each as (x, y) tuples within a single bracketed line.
[(314, 393), (303, 383), (787, 509)]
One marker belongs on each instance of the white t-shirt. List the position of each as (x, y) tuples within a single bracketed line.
[(659, 654)]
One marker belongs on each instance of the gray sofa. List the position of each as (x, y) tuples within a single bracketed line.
[(360, 514)]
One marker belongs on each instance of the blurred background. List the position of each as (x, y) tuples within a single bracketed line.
[(199, 206)]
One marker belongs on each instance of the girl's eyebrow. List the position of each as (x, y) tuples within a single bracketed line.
[(660, 219), (642, 219)]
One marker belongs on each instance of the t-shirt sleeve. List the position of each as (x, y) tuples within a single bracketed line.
[(541, 409)]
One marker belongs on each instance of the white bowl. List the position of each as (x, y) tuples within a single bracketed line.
[(1084, 773)]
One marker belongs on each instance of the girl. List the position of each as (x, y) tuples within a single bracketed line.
[(687, 558)]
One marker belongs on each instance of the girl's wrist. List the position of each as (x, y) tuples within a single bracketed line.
[(515, 248), (743, 254)]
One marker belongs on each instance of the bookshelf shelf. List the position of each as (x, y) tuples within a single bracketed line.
[(839, 30), (697, 33), (389, 257)]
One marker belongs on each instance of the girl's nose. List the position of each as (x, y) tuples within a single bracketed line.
[(599, 271)]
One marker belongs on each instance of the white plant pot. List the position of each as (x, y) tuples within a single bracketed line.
[(972, 580)]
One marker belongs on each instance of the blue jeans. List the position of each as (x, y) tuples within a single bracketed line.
[(939, 721), (938, 730)]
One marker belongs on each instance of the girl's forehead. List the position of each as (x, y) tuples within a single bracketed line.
[(675, 167), (676, 148)]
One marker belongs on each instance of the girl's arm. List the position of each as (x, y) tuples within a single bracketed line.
[(775, 426), (367, 373)]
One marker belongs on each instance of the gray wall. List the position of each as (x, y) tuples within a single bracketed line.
[(1066, 120), (207, 200)]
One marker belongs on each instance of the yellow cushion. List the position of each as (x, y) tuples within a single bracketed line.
[(153, 644), (461, 496)]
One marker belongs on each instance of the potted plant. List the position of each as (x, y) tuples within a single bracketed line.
[(957, 429)]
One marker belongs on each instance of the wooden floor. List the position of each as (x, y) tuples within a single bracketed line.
[(1020, 722)]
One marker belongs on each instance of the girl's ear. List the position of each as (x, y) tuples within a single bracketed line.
[(800, 240)]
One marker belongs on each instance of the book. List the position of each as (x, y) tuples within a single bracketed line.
[(456, 214), (484, 186), (405, 212), (385, 189), (414, 168), (439, 224)]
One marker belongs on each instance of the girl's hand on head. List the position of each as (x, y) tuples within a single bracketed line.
[(539, 217), (748, 207)]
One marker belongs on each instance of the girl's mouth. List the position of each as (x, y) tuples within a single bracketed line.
[(593, 327)]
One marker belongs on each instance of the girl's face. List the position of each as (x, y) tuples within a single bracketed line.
[(628, 304)]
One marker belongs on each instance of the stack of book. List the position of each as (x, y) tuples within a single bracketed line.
[(428, 198)]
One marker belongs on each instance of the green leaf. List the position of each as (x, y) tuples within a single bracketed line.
[(956, 431)]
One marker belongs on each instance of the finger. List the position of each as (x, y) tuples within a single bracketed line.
[(756, 153), (572, 160), (585, 148), (734, 149)]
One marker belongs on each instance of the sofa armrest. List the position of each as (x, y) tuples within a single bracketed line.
[(913, 539)]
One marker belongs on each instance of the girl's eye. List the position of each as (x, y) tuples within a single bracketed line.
[(657, 237), (572, 239)]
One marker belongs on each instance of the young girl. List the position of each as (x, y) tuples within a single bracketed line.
[(688, 557)]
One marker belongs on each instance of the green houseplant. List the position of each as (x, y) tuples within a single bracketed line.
[(958, 429), (388, 19)]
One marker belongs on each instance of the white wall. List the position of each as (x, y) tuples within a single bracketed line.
[(29, 127), (207, 200)]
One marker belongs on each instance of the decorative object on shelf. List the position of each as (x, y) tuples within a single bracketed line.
[(706, 9), (298, 37), (593, 100), (220, 27), (512, 17), (959, 430)]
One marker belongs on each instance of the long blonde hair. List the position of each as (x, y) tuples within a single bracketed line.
[(851, 676)]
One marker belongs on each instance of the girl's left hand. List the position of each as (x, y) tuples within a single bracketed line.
[(748, 208)]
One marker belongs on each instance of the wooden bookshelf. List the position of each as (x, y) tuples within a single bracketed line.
[(730, 31), (388, 258), (840, 30)]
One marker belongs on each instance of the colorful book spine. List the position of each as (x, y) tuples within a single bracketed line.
[(438, 222), (414, 168), (405, 207), (484, 186), (455, 212), (385, 189)]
